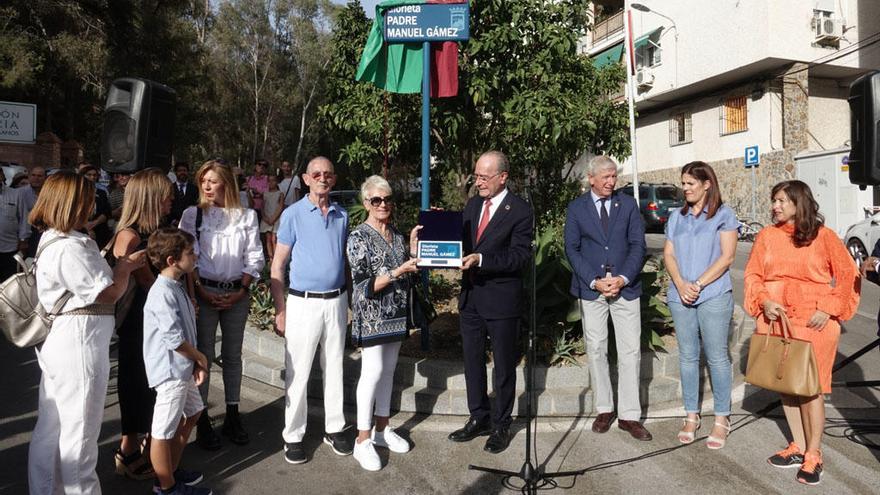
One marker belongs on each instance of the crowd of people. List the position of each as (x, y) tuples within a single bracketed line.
[(182, 256)]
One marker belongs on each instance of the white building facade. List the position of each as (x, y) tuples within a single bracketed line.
[(716, 76)]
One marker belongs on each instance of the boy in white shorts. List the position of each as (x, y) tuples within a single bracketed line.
[(174, 366)]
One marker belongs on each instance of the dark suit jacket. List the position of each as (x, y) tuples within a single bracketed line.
[(183, 201), (589, 249), (495, 288)]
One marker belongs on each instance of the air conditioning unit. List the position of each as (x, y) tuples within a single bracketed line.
[(828, 29), (645, 78)]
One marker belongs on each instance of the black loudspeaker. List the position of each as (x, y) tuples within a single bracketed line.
[(864, 105), (138, 126)]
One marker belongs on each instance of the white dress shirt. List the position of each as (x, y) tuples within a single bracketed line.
[(229, 244), (496, 202)]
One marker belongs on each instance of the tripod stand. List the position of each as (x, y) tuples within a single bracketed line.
[(864, 350), (534, 478)]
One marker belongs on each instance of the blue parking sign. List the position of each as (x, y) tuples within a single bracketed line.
[(752, 156)]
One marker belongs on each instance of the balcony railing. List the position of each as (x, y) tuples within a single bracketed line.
[(607, 27)]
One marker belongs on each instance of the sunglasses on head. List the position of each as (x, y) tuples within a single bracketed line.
[(377, 200)]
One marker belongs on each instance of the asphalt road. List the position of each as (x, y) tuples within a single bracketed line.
[(614, 462)]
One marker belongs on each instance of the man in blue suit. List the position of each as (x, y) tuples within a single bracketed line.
[(497, 237), (605, 244)]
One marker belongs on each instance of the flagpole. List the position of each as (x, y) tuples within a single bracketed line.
[(426, 160), (630, 98)]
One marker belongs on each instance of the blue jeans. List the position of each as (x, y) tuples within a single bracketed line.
[(711, 321)]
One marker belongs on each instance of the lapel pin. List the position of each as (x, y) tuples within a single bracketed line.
[(507, 207)]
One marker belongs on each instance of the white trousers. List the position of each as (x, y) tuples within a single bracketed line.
[(626, 316), (75, 360), (376, 382), (310, 323)]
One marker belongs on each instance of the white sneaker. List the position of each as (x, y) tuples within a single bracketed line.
[(366, 455), (390, 439)]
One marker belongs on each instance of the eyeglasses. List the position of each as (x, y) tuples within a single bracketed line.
[(318, 175), (375, 201), (485, 178)]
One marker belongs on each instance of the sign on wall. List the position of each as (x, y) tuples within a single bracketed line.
[(428, 22), (752, 157), (18, 122)]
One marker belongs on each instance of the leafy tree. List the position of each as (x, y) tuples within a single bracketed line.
[(525, 89), (368, 126)]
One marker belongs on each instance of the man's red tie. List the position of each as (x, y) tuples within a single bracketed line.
[(484, 220)]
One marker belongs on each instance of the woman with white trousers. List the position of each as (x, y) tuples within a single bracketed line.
[(74, 358)]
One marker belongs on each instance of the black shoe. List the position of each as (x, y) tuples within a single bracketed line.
[(294, 453), (472, 429), (232, 428), (498, 441), (339, 443), (205, 435)]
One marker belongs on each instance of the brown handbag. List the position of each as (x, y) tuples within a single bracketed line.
[(782, 363)]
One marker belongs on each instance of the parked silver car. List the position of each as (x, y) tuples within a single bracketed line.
[(861, 237)]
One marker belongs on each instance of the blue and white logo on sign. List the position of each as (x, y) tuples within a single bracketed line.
[(457, 17), (752, 156)]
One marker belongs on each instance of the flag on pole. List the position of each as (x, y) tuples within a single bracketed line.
[(397, 67)]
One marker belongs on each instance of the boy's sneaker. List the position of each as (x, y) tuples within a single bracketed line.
[(294, 453), (181, 489), (182, 476), (810, 472), (790, 457), (339, 443), (366, 455), (389, 439)]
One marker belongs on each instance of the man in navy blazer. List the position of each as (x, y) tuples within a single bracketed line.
[(605, 245), (497, 236)]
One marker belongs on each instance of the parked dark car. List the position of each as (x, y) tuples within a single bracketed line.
[(655, 203)]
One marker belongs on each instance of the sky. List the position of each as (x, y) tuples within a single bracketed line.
[(369, 6)]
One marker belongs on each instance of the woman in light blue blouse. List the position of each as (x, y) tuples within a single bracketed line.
[(700, 247)]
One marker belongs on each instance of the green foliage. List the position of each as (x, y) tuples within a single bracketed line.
[(524, 89), (558, 317), (262, 310), (656, 317), (364, 122)]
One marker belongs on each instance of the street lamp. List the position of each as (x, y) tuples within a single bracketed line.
[(644, 8)]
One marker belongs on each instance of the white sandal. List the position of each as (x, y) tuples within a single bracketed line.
[(687, 437), (719, 442)]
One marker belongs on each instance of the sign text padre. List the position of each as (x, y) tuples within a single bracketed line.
[(428, 22)]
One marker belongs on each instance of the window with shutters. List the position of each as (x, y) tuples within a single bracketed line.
[(734, 115), (680, 128)]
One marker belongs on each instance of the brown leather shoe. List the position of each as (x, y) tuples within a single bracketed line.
[(603, 422), (635, 429)]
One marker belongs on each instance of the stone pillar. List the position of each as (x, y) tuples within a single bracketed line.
[(795, 109)]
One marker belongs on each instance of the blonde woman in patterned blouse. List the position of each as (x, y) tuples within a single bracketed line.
[(381, 268)]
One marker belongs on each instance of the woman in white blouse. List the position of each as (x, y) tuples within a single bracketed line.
[(74, 358), (230, 259)]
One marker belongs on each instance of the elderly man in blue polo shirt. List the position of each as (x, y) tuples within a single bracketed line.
[(312, 232)]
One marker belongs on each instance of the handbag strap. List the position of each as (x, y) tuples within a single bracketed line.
[(59, 304)]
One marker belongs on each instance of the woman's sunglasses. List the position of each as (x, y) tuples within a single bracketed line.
[(377, 200)]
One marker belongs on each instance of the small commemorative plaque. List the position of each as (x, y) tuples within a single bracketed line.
[(440, 239)]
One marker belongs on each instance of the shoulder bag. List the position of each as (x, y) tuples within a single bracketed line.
[(782, 363), (23, 319)]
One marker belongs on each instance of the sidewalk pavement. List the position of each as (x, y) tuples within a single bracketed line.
[(615, 462)]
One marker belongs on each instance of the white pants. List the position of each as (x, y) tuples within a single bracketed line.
[(311, 322), (377, 379), (75, 362), (626, 316)]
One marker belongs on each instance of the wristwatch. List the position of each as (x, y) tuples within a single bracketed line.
[(699, 284)]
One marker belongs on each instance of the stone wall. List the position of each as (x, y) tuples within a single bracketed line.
[(736, 181), (47, 151), (775, 166)]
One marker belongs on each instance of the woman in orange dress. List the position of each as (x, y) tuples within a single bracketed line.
[(790, 271)]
